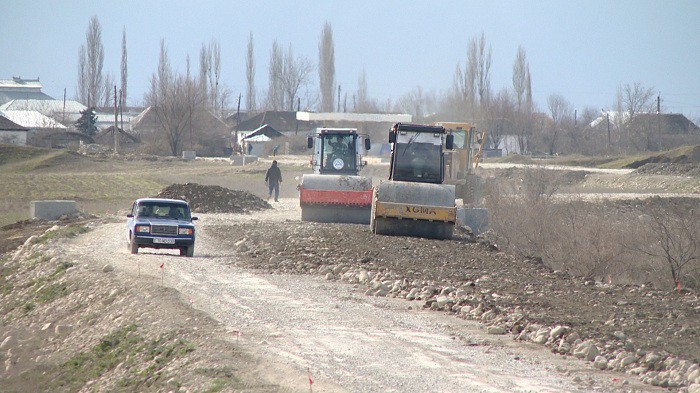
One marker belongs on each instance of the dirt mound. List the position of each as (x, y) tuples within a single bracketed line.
[(214, 199), (692, 170), (681, 155)]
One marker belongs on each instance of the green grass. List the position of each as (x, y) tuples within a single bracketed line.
[(12, 154), (69, 231)]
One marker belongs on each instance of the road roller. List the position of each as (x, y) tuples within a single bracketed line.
[(335, 192), (414, 201)]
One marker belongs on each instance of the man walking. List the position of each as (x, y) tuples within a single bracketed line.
[(273, 178)]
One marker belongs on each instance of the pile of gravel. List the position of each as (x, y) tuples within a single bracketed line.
[(672, 169), (214, 199)]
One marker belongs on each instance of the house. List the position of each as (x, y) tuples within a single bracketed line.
[(66, 113), (282, 121), (125, 141), (208, 135), (21, 89), (12, 133), (105, 117), (670, 123), (45, 131), (254, 142)]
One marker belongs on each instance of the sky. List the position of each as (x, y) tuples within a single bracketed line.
[(582, 50)]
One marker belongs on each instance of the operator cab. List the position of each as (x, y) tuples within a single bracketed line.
[(337, 151), (417, 153)]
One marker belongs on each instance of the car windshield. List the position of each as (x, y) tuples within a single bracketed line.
[(339, 153), (174, 211), (417, 162)]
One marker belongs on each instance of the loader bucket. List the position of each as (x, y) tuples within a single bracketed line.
[(414, 209), (336, 198)]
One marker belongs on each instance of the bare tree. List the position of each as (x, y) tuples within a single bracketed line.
[(326, 68), (296, 73), (173, 99), (82, 89), (365, 104), (674, 238), (417, 102), (123, 68), (275, 90), (561, 112), (523, 98), (204, 67), (214, 73), (250, 76), (95, 61), (107, 89), (473, 84), (520, 76), (631, 101), (483, 70), (501, 119)]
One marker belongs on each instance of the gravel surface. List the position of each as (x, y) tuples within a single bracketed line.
[(295, 324)]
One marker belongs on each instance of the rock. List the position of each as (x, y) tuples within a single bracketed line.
[(446, 291), (47, 327), (274, 260), (694, 388), (107, 268), (651, 359), (412, 294), (243, 248), (30, 240), (600, 362), (586, 350), (495, 330), (442, 301), (61, 330), (8, 342), (564, 347), (558, 331), (363, 277), (638, 370), (619, 335), (692, 375), (626, 361), (329, 276)]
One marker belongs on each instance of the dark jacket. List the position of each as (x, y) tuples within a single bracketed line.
[(273, 175)]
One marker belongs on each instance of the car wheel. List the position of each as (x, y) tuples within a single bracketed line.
[(133, 247), (187, 251)]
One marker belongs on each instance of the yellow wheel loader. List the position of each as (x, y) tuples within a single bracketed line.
[(414, 201)]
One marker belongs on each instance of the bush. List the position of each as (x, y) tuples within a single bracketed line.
[(625, 242)]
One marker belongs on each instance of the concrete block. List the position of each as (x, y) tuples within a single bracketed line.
[(475, 218), (243, 160), (51, 210), (189, 155)]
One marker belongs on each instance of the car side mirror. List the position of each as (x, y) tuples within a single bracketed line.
[(368, 144), (449, 142), (309, 142), (195, 218), (392, 137), (129, 215)]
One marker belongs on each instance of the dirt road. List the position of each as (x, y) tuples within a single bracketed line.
[(348, 341)]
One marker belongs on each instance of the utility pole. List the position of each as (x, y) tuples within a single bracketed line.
[(607, 114), (658, 117), (116, 130), (339, 97), (297, 115), (64, 105)]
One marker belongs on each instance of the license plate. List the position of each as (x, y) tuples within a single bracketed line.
[(163, 240)]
